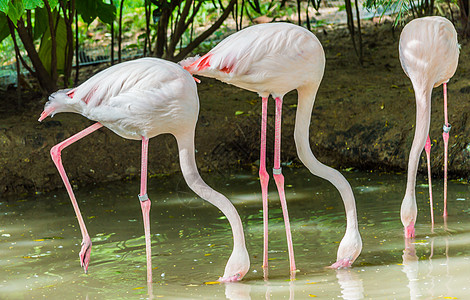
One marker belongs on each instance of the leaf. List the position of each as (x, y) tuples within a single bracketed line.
[(40, 22), (4, 30), (87, 10), (53, 3), (90, 9), (4, 6), (46, 45), (15, 10), (32, 4), (106, 12)]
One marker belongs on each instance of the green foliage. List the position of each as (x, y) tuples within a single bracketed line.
[(4, 6), (4, 30), (91, 9), (41, 22), (401, 8), (32, 4), (15, 10), (45, 48), (255, 5), (53, 3)]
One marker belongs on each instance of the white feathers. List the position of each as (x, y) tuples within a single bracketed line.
[(188, 61), (429, 46), (143, 97), (272, 58)]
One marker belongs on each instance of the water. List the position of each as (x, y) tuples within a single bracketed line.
[(191, 242)]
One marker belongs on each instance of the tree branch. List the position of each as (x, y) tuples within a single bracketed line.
[(41, 73), (180, 27), (53, 42), (186, 50), (17, 49)]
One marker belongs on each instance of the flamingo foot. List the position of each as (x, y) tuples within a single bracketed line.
[(85, 253), (342, 263), (410, 231), (234, 278)]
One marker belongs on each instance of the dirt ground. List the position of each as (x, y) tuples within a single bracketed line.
[(363, 118)]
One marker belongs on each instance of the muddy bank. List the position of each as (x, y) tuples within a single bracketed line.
[(363, 118)]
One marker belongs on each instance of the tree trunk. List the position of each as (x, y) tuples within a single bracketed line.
[(359, 33), (45, 80), (69, 13), (162, 31), (52, 28), (77, 56), (350, 20), (112, 39), (180, 28), (120, 32), (299, 21), (464, 16)]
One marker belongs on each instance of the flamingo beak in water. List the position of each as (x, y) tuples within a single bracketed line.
[(47, 111), (234, 278)]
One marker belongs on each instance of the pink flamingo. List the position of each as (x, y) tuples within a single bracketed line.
[(429, 54), (273, 59), (138, 100)]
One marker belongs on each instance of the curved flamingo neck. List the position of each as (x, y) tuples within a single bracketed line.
[(301, 136), (197, 184)]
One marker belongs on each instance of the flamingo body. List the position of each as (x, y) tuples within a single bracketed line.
[(141, 99), (273, 59), (144, 97), (429, 53), (269, 59)]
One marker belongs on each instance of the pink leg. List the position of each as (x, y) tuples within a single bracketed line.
[(145, 205), (56, 157), (410, 231), (279, 178), (445, 136), (264, 177), (427, 148)]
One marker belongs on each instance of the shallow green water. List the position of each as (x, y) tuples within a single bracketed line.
[(191, 242)]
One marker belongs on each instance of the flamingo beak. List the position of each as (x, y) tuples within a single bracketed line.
[(234, 278), (48, 110)]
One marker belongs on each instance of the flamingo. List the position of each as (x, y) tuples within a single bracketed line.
[(138, 100), (273, 59), (429, 54)]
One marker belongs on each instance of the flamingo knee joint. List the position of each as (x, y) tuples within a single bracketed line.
[(56, 152), (143, 197), (446, 128)]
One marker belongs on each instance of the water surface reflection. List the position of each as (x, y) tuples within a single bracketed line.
[(191, 242)]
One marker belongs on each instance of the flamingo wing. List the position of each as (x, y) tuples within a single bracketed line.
[(264, 46)]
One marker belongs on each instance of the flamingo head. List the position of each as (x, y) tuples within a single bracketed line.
[(60, 101), (237, 265), (349, 249), (49, 110), (408, 214)]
